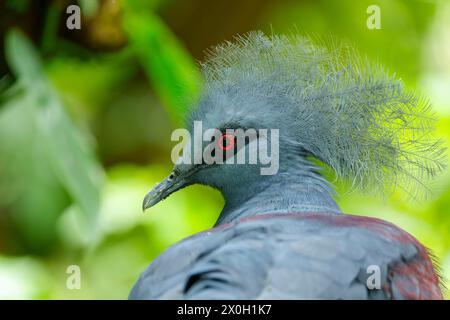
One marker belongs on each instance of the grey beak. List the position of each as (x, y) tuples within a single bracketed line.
[(164, 189)]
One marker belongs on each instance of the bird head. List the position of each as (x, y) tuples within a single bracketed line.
[(293, 99), (222, 147)]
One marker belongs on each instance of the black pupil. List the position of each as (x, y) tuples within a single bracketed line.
[(226, 141)]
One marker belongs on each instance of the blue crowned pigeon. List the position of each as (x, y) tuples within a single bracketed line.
[(317, 112)]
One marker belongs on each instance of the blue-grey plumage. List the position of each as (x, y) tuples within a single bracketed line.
[(296, 256), (283, 235)]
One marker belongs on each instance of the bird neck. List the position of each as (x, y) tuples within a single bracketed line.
[(297, 189)]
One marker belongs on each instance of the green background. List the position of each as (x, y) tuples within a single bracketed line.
[(86, 117)]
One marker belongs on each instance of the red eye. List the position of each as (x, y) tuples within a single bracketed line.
[(226, 142)]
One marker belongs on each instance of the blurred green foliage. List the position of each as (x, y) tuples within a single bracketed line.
[(86, 117)]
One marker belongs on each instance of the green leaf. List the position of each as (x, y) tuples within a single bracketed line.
[(70, 155), (168, 65), (73, 161), (50, 28), (22, 57), (30, 190)]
